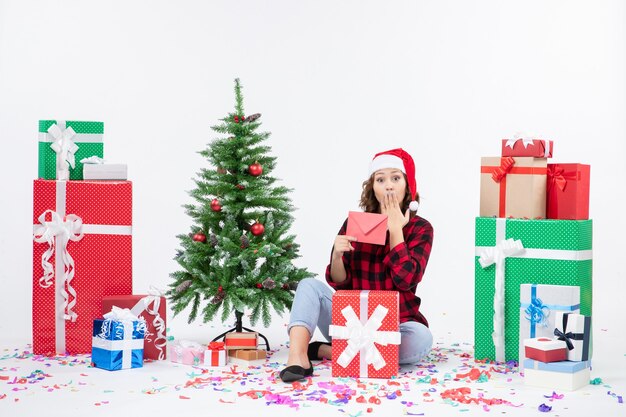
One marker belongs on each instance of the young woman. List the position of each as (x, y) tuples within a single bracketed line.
[(398, 265)]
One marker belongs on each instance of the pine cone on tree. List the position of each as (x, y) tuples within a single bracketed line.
[(218, 298), (245, 242), (183, 286), (213, 240), (269, 284), (252, 117)]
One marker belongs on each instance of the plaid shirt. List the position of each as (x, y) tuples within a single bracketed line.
[(376, 267)]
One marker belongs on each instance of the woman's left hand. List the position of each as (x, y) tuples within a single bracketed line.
[(391, 207)]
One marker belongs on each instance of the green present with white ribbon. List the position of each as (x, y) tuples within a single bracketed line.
[(63, 144), (511, 252)]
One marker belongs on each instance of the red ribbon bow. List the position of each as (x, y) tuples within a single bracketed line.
[(505, 167), (216, 346), (555, 176)]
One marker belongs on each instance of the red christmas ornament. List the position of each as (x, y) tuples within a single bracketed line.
[(199, 237), (285, 286), (255, 169), (257, 229), (259, 285), (241, 187), (215, 205), (236, 118), (220, 289)]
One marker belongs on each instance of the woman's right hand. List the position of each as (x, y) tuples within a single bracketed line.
[(342, 244)]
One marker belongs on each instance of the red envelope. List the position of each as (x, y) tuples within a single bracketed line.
[(367, 227)]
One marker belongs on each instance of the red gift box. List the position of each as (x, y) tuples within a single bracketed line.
[(365, 330), (568, 192), (545, 350), (152, 309), (82, 252), (537, 148)]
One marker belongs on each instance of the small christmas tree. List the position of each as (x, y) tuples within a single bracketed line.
[(239, 253)]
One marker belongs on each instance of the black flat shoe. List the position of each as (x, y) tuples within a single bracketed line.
[(295, 373), (313, 350)]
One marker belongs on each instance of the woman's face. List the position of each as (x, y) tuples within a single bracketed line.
[(389, 180)]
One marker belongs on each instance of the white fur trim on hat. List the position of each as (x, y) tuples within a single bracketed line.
[(386, 161)]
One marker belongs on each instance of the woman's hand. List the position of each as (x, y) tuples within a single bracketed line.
[(342, 244), (395, 219)]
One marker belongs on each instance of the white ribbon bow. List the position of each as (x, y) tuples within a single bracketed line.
[(59, 232), (154, 299), (526, 140), (63, 145), (497, 255), (361, 337)]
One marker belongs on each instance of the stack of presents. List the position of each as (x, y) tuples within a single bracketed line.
[(533, 265), (82, 255)]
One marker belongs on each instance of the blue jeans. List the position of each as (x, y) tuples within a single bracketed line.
[(312, 308)]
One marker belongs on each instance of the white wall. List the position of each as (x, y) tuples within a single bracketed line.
[(335, 82)]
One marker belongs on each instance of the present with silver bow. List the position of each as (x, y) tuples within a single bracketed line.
[(96, 169), (186, 352), (539, 305), (526, 145), (511, 252), (365, 332), (117, 341), (82, 252), (150, 307), (63, 144)]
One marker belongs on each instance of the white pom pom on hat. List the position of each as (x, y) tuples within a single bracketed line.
[(399, 159)]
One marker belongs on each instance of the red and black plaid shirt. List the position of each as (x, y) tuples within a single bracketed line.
[(377, 267)]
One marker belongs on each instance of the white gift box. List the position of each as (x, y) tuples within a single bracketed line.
[(105, 172), (538, 306), (577, 329), (565, 375)]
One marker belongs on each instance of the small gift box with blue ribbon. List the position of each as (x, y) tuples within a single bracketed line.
[(538, 307), (118, 341)]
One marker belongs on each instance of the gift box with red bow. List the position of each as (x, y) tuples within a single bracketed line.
[(215, 355), (513, 187), (537, 148), (150, 308), (82, 252), (365, 331), (568, 191)]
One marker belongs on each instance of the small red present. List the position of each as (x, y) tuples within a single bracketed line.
[(568, 191), (82, 252), (537, 148), (152, 309), (365, 330), (544, 349), (215, 354), (241, 340)]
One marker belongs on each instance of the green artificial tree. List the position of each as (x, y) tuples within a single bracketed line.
[(239, 254)]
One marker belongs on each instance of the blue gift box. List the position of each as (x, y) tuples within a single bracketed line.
[(117, 344), (568, 367)]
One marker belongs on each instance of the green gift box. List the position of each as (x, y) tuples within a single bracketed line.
[(87, 139), (511, 252)]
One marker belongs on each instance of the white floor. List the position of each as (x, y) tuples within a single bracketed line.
[(31, 386)]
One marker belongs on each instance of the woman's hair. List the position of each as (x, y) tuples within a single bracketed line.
[(368, 199)]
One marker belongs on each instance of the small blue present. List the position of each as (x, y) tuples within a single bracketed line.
[(117, 341)]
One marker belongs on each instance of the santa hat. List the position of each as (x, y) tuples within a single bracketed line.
[(399, 159)]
